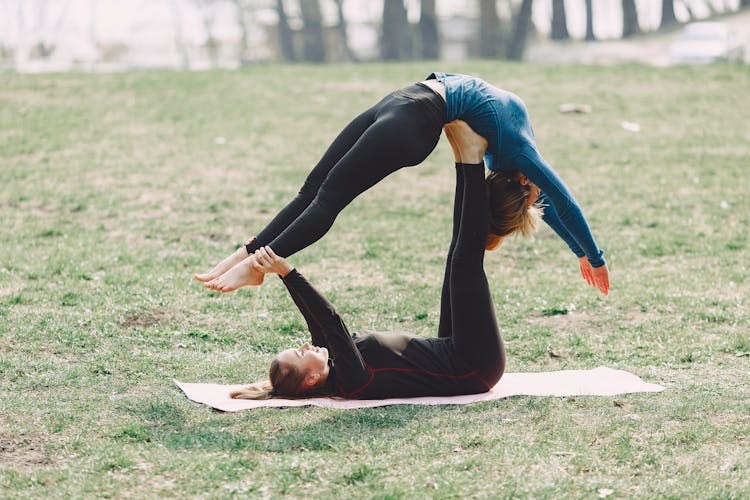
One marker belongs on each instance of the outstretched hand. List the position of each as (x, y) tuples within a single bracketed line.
[(595, 276), (266, 261)]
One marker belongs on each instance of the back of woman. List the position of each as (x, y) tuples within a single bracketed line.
[(403, 365)]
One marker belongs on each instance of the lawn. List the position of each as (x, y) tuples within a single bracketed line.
[(116, 188)]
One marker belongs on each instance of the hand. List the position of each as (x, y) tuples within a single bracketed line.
[(266, 261), (595, 276)]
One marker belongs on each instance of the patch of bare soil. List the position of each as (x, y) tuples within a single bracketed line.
[(145, 319), (22, 453)]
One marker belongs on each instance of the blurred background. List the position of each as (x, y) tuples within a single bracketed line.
[(111, 35)]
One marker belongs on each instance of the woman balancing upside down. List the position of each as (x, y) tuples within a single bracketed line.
[(467, 357), (402, 130)]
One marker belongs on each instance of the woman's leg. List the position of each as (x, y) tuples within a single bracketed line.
[(445, 327), (468, 147), (400, 136), (338, 148), (476, 336), (346, 139)]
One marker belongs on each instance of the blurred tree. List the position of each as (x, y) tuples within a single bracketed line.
[(590, 21), (630, 25), (208, 16), (691, 14), (428, 30), (744, 3), (343, 38), (395, 39), (521, 25), (178, 40), (667, 14), (47, 33), (92, 22), (490, 41), (286, 44), (240, 8), (313, 46), (559, 29)]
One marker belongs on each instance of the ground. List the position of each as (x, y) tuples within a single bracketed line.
[(115, 189)]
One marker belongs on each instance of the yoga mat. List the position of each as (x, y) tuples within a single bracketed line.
[(601, 381)]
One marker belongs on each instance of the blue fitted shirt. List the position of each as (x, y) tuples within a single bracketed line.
[(501, 117)]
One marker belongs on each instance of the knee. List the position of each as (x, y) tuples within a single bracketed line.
[(330, 198), (308, 190)]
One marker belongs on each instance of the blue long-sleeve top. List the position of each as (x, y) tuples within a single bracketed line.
[(501, 117)]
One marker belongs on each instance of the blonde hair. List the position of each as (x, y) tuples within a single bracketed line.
[(510, 210), (284, 381)]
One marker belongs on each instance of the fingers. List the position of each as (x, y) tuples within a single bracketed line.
[(271, 253), (585, 267), (587, 276), (262, 260), (265, 260), (601, 276)]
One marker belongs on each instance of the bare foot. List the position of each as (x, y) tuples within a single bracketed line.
[(241, 274), (468, 146), (225, 265)]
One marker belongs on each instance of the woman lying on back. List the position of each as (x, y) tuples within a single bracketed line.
[(466, 357)]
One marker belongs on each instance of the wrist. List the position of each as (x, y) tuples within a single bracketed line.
[(285, 270)]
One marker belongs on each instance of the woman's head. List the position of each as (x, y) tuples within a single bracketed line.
[(512, 206), (297, 371), (293, 373)]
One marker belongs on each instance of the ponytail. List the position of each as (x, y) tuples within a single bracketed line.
[(258, 390), (284, 381)]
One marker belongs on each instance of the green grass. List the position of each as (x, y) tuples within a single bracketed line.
[(113, 191)]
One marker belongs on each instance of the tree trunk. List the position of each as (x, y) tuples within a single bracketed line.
[(559, 29), (630, 25), (212, 44), (521, 25), (239, 9), (590, 21), (178, 40), (313, 48), (691, 15), (343, 38), (667, 14), (744, 3), (489, 30), (395, 41), (286, 44), (428, 30)]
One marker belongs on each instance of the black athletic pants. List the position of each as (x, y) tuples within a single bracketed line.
[(401, 130), (467, 313)]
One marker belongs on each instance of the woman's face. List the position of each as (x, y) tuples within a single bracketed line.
[(307, 359), (534, 191)]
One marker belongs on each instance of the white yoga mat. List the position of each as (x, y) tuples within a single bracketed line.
[(601, 381)]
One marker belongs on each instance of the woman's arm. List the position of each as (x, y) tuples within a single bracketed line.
[(553, 220), (268, 262), (325, 325), (559, 197), (565, 217)]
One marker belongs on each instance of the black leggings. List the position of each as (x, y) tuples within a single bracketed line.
[(401, 130), (467, 314)]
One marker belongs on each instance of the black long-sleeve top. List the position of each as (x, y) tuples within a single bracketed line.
[(375, 365)]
